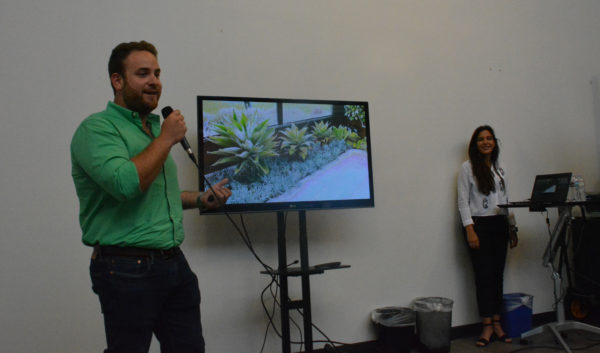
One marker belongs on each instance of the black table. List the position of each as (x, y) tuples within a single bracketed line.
[(556, 245)]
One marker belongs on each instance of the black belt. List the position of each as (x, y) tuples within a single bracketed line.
[(499, 216), (129, 251)]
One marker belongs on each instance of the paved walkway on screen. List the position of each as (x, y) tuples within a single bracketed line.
[(345, 178)]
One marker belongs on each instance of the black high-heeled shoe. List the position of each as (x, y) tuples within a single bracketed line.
[(483, 342), (504, 338)]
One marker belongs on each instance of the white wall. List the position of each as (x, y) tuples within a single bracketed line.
[(431, 70)]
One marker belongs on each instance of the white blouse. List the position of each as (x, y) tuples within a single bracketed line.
[(472, 203)]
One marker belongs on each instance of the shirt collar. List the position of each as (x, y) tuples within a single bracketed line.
[(131, 115)]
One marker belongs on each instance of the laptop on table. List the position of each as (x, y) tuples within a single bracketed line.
[(548, 190)]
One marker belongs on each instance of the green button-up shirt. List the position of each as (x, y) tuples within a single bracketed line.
[(113, 208)]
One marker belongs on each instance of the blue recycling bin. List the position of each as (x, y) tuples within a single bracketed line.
[(517, 313)]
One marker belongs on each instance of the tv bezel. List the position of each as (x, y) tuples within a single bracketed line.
[(288, 205)]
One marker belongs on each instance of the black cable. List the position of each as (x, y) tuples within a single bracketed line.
[(548, 223), (269, 270), (557, 296), (269, 316), (272, 315), (577, 248), (564, 257), (243, 232), (327, 339), (275, 302), (274, 295)]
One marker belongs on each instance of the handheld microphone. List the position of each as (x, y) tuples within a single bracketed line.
[(166, 111)]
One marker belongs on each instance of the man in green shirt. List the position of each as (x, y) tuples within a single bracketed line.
[(131, 211)]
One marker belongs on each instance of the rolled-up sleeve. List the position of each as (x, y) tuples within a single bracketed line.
[(102, 154), (464, 189)]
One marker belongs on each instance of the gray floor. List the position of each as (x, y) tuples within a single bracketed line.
[(578, 341)]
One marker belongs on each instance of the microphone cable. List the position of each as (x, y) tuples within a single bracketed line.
[(243, 232), (166, 111)]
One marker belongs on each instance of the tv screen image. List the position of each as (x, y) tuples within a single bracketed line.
[(286, 154)]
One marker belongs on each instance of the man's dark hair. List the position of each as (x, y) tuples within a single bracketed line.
[(122, 51)]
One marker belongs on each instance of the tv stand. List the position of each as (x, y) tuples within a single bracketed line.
[(304, 271)]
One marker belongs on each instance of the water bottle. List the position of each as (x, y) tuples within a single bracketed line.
[(571, 194), (580, 189)]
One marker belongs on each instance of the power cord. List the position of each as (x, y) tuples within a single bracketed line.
[(243, 232), (577, 247), (327, 340), (272, 315), (557, 296), (166, 111)]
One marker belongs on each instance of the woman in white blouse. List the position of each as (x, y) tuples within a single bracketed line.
[(488, 228)]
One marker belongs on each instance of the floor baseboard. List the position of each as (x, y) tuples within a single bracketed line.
[(463, 331), (474, 329)]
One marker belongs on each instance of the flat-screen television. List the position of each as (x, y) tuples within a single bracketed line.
[(286, 154)]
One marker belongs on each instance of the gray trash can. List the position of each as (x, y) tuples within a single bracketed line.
[(434, 322), (395, 328)]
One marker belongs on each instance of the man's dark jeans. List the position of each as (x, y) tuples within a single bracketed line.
[(144, 295)]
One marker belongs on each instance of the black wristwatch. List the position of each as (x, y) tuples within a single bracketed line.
[(513, 228)]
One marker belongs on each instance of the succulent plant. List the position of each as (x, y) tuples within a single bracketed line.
[(245, 142), (360, 144), (296, 142), (341, 132), (322, 132)]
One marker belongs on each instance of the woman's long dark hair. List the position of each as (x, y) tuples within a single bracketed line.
[(483, 174)]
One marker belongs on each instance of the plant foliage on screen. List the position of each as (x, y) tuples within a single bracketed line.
[(286, 154)]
